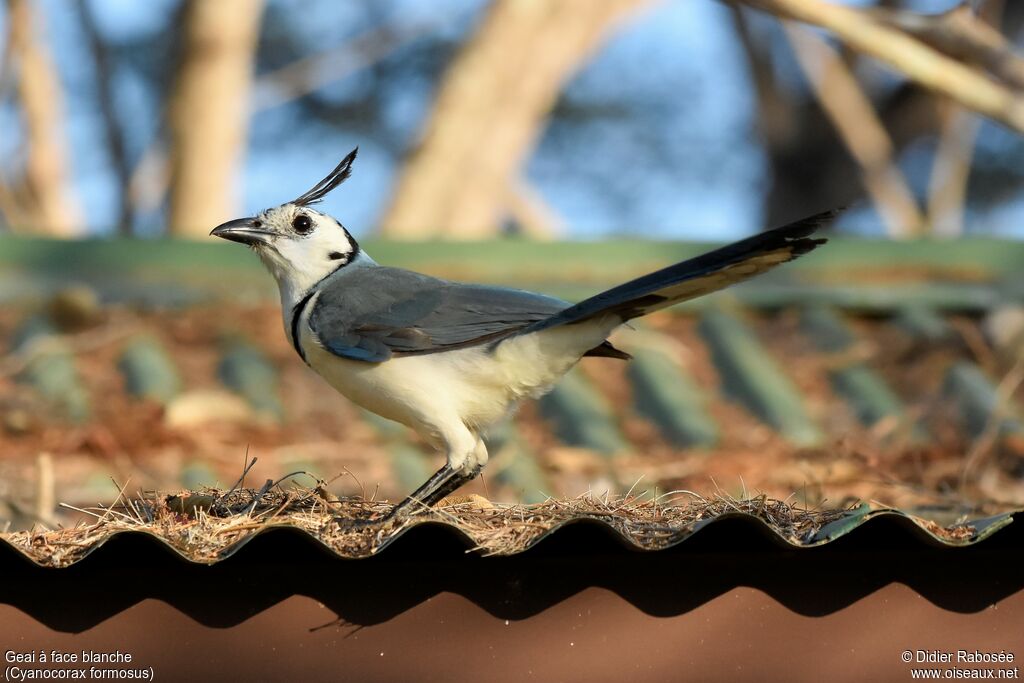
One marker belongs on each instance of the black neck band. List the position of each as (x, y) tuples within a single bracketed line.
[(298, 308), (296, 316)]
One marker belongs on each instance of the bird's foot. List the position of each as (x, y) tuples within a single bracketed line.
[(377, 522), (442, 483)]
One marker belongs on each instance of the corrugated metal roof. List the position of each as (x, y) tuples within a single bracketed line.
[(873, 372), (431, 559), (493, 531)]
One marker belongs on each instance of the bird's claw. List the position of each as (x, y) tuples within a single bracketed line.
[(386, 522)]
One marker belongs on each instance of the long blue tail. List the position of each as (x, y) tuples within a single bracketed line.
[(698, 276)]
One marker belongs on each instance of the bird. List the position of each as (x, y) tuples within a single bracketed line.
[(449, 359)]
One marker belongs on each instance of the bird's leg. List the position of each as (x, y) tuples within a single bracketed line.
[(441, 483), (444, 481)]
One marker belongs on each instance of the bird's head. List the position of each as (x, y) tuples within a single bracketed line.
[(299, 245)]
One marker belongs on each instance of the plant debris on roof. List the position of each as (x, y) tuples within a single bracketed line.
[(208, 525), (883, 372)]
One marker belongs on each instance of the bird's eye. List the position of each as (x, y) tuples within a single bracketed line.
[(302, 224)]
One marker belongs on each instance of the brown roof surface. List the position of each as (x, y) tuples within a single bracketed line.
[(150, 446)]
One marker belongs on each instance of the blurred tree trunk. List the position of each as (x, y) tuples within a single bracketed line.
[(40, 202), (208, 111), (113, 129), (489, 111)]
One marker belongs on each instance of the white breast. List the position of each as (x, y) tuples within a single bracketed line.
[(473, 385)]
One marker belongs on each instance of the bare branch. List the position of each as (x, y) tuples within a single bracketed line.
[(947, 190), (150, 177), (961, 34), (908, 55), (46, 489), (984, 444), (854, 117), (309, 74), (776, 120), (947, 187), (532, 213), (112, 128)]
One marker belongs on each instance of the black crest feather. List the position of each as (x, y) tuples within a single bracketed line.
[(336, 177)]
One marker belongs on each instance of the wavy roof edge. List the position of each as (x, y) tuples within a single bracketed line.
[(859, 522)]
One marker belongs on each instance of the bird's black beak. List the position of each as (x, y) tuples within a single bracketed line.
[(245, 230)]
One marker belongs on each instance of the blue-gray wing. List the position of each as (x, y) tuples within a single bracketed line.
[(372, 313)]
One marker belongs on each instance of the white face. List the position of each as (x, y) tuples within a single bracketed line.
[(299, 245)]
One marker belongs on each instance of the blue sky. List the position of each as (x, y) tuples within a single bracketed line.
[(679, 59)]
